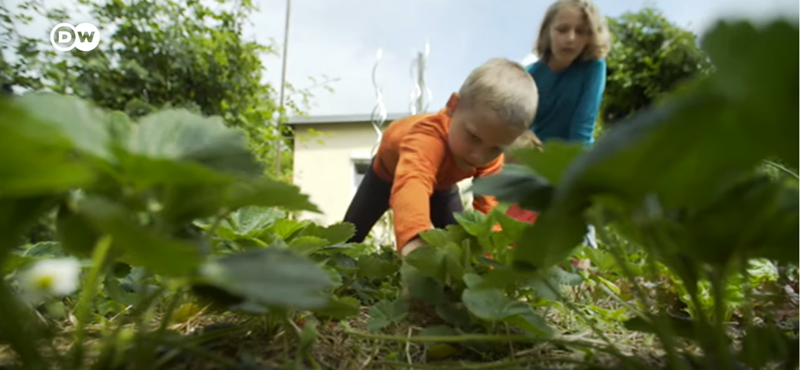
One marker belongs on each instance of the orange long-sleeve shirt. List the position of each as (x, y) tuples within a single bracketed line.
[(415, 157)]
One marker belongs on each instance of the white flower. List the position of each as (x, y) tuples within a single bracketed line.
[(58, 277)]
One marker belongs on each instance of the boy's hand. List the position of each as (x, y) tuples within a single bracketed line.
[(411, 246), (405, 251)]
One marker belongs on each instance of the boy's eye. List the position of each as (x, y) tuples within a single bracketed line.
[(474, 138)]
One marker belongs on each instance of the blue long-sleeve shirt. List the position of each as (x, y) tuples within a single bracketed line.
[(569, 100)]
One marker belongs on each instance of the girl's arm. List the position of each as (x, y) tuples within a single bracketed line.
[(585, 117)]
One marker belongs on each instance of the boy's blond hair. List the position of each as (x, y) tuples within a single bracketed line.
[(600, 40), (503, 86)]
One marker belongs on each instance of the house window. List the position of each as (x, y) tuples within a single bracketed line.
[(360, 167)]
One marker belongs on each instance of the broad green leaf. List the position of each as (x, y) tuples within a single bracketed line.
[(206, 198), (37, 160), (385, 313), (247, 222), (493, 305), (307, 245), (552, 162), (82, 122), (334, 234), (429, 261), (516, 184), (180, 135), (756, 217), (141, 247), (271, 277), (474, 223), (374, 267), (285, 228), (266, 192), (766, 95), (454, 313), (436, 238), (340, 308), (421, 286), (44, 250), (512, 228), (550, 240)]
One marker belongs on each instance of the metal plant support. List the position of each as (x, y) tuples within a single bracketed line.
[(378, 116), (421, 97)]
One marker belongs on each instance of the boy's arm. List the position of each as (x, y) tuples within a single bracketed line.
[(485, 203), (420, 154), (585, 117)]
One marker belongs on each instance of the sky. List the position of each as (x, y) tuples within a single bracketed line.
[(340, 39)]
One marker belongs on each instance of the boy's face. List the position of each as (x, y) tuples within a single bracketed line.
[(477, 136)]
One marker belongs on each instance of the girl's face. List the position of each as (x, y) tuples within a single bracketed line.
[(569, 34)]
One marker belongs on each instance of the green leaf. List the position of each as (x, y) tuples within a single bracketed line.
[(82, 122), (768, 95), (307, 245), (334, 234), (550, 240), (339, 308), (45, 250), (757, 217), (270, 276), (436, 237), (552, 162), (179, 135), (421, 286), (474, 223), (374, 267), (248, 222), (515, 184), (385, 313), (429, 261), (36, 159), (285, 228), (141, 246), (512, 228), (493, 305)]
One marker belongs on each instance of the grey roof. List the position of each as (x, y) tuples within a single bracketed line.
[(342, 118)]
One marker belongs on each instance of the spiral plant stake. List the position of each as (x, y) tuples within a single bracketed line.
[(378, 116), (421, 95)]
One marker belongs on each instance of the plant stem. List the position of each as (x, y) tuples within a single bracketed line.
[(722, 349), (84, 306), (505, 364), (476, 338)]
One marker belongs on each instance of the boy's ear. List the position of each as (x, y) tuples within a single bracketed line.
[(452, 104)]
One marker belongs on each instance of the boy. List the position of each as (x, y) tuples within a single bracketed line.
[(421, 158)]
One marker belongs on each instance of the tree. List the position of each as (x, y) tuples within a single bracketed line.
[(159, 54), (649, 57)]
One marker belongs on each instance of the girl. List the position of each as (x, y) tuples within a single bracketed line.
[(570, 74), (571, 71)]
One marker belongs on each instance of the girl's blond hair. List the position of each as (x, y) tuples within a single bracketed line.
[(600, 40)]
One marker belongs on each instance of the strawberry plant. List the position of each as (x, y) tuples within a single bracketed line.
[(681, 180)]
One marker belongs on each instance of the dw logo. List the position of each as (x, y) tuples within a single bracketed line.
[(84, 37)]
